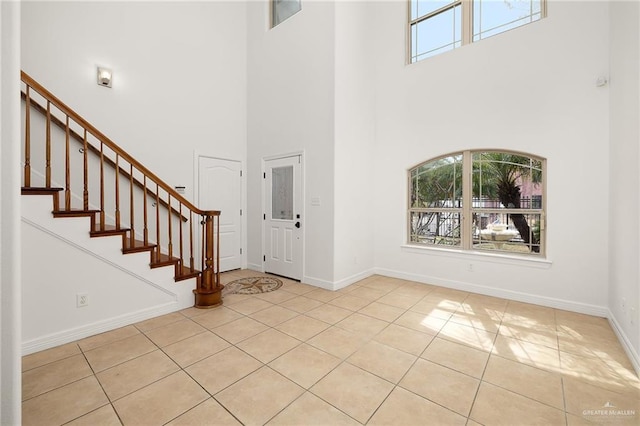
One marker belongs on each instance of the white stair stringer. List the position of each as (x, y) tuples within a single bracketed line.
[(61, 261)]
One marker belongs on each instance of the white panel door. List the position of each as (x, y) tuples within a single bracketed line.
[(283, 221), (220, 188)]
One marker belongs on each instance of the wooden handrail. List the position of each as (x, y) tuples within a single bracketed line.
[(208, 289), (82, 140), (112, 145)]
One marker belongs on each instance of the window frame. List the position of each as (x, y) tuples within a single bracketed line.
[(466, 24), (467, 210)]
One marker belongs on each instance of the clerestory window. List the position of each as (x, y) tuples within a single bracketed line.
[(282, 10), (438, 26), (490, 201)]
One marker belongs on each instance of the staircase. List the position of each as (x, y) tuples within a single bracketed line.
[(88, 175)]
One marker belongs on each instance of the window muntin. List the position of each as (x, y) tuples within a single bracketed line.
[(438, 26), (282, 10), (502, 194)]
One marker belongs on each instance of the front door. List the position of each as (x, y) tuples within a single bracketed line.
[(220, 188), (283, 217)]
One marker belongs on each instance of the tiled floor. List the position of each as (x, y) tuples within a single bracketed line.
[(382, 351)]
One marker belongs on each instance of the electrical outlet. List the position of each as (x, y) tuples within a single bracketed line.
[(82, 300), (470, 267)]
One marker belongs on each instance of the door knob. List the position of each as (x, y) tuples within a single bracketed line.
[(297, 224)]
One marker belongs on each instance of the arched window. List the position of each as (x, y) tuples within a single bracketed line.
[(479, 200)]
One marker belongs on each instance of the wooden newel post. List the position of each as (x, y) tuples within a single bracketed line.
[(209, 290)]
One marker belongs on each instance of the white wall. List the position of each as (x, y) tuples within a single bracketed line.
[(179, 75), (290, 83), (10, 243), (624, 276), (355, 190), (532, 90)]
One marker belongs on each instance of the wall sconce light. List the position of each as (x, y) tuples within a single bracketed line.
[(104, 77)]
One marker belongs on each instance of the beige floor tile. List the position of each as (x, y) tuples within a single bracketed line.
[(474, 337), (301, 304), (172, 333), (193, 312), (350, 302), (274, 315), (195, 348), (41, 358), (223, 369), (337, 341), (311, 411), (132, 375), (329, 313), (363, 325), (484, 305), (277, 296), (497, 406), (322, 295), (108, 337), (353, 390), (120, 351), (302, 327), (379, 283), (449, 294), (383, 361), (64, 404), (232, 299), (54, 375), (435, 307), (258, 397), (348, 289), (397, 300), (239, 330), (368, 293), (160, 321), (533, 336), (207, 413), (462, 358), (297, 288), (527, 353), (405, 408), (600, 405), (251, 306), (381, 311), (161, 401), (103, 416), (595, 372), (420, 322), (268, 345), (535, 322), (305, 365), (413, 292), (441, 385), (404, 339), (217, 317), (531, 382), (476, 321)]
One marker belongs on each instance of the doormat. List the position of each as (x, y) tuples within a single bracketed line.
[(252, 285)]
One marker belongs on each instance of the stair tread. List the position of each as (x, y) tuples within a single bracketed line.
[(137, 246), (26, 190), (75, 211), (109, 230)]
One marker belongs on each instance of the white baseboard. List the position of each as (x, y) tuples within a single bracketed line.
[(337, 285), (625, 342), (327, 285), (551, 302), (255, 267), (73, 334)]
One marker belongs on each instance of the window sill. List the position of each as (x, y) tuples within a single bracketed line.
[(504, 259)]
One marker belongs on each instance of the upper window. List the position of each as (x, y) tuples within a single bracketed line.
[(438, 26), (479, 200), (283, 9)]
